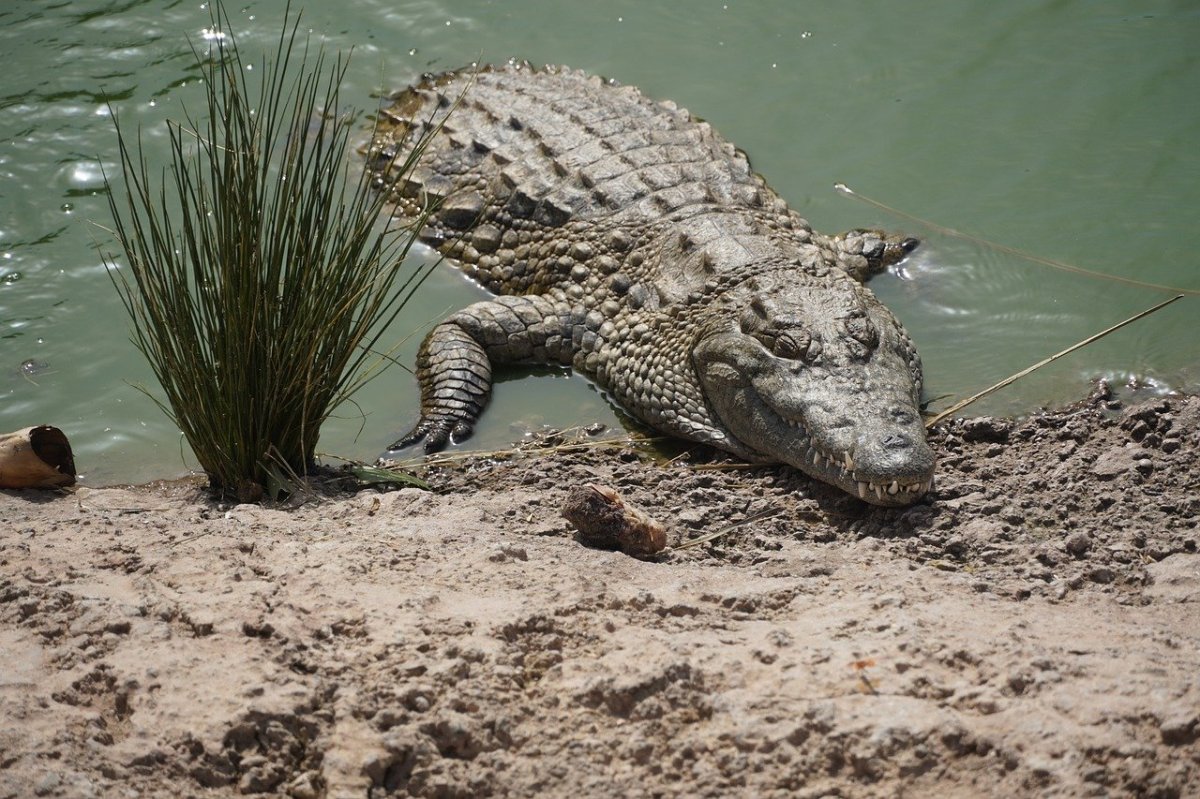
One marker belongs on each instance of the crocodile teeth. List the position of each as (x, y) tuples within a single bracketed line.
[(890, 489), (848, 462)]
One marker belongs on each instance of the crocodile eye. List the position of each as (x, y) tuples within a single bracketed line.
[(787, 347), (796, 345)]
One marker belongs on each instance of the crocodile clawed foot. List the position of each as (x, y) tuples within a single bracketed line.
[(436, 434), (880, 249)]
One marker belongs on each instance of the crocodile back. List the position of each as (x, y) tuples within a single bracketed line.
[(533, 159)]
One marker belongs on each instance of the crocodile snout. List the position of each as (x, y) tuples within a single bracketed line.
[(894, 455)]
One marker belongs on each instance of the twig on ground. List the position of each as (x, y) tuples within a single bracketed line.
[(704, 539)]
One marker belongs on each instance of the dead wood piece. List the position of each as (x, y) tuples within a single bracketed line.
[(606, 521), (36, 457)]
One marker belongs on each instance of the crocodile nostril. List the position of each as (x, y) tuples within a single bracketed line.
[(895, 441)]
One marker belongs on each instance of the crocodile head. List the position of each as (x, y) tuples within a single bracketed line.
[(818, 374)]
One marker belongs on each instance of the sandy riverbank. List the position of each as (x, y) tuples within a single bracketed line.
[(1031, 629)]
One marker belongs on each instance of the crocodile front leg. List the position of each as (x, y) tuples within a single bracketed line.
[(454, 364)]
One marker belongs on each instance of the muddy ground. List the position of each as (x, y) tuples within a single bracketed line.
[(1031, 628)]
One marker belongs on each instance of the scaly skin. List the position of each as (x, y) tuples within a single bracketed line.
[(632, 243)]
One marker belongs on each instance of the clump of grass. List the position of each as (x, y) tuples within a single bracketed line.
[(259, 277)]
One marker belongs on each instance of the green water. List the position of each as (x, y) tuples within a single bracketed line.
[(1065, 129)]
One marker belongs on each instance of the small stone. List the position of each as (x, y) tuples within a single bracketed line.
[(304, 786), (120, 627), (260, 777), (258, 628), (507, 552), (986, 429), (375, 765), (1178, 730), (1114, 461), (46, 784), (1139, 430), (1078, 544)]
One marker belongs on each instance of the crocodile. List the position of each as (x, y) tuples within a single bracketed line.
[(628, 240)]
